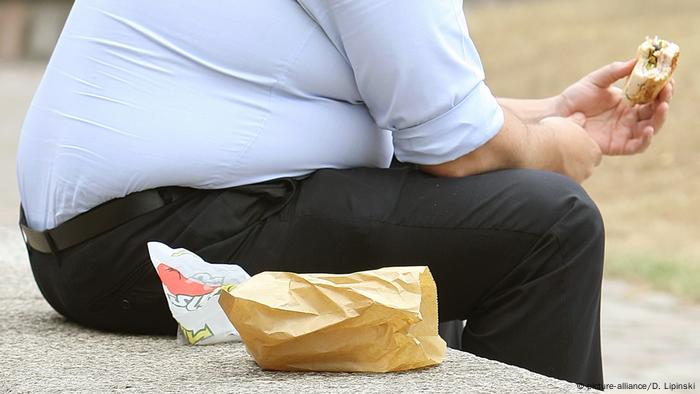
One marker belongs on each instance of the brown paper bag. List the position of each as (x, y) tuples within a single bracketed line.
[(373, 321)]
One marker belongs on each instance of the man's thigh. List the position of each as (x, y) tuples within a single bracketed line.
[(471, 232)]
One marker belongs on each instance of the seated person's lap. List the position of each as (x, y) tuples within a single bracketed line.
[(518, 252)]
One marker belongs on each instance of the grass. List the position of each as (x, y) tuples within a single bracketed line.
[(650, 202), (676, 276)]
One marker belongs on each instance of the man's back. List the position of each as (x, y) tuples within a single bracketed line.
[(207, 95)]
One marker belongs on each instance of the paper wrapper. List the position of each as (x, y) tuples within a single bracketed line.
[(192, 287), (371, 321)]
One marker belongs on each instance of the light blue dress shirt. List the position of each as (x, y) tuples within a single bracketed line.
[(214, 94)]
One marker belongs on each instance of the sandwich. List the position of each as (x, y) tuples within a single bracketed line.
[(656, 62)]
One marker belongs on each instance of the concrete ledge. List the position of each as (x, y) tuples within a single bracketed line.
[(41, 352)]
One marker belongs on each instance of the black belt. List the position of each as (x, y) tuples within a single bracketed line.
[(93, 222)]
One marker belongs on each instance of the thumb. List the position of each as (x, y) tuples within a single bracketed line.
[(578, 118), (607, 75)]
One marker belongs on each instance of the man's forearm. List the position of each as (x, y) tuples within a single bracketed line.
[(531, 110), (519, 144), (553, 144)]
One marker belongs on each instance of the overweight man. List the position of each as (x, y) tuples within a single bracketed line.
[(262, 133)]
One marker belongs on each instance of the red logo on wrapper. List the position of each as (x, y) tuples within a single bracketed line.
[(184, 292), (179, 285)]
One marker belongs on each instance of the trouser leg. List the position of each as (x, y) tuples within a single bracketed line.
[(517, 253), (545, 313)]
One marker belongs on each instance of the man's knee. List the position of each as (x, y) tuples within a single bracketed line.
[(559, 204), (574, 221)]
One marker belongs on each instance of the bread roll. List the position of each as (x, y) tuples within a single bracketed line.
[(656, 62)]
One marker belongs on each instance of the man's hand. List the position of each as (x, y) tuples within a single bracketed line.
[(567, 133), (618, 127), (573, 152)]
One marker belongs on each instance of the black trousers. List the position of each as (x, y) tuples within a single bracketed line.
[(516, 253)]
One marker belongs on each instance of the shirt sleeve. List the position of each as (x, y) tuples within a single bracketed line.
[(417, 71)]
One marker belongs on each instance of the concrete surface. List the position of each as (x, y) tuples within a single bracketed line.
[(41, 352), (647, 336)]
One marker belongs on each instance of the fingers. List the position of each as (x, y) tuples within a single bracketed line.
[(667, 92), (644, 121), (617, 92), (646, 111), (578, 118), (640, 143), (659, 117), (658, 109), (607, 75)]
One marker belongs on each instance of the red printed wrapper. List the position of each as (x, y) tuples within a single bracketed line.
[(192, 287)]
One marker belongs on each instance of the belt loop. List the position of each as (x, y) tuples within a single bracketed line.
[(54, 249), (171, 193), (52, 245), (164, 195)]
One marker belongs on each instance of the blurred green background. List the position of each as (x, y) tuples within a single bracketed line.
[(650, 202)]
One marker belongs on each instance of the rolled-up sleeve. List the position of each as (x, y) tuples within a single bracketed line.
[(417, 71)]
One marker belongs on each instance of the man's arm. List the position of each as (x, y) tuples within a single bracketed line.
[(618, 127), (419, 74), (553, 144), (532, 110), (421, 79)]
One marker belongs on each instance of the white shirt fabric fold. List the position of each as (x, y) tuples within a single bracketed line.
[(139, 95)]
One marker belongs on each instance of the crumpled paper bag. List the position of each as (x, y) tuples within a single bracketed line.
[(192, 287), (371, 321)]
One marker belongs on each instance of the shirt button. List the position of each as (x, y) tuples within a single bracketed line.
[(126, 304)]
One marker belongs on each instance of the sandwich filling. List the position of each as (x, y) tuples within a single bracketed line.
[(658, 56), (656, 61)]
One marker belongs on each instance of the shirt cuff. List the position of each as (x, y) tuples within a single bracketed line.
[(465, 127)]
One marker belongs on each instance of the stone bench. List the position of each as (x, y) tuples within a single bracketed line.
[(41, 352)]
